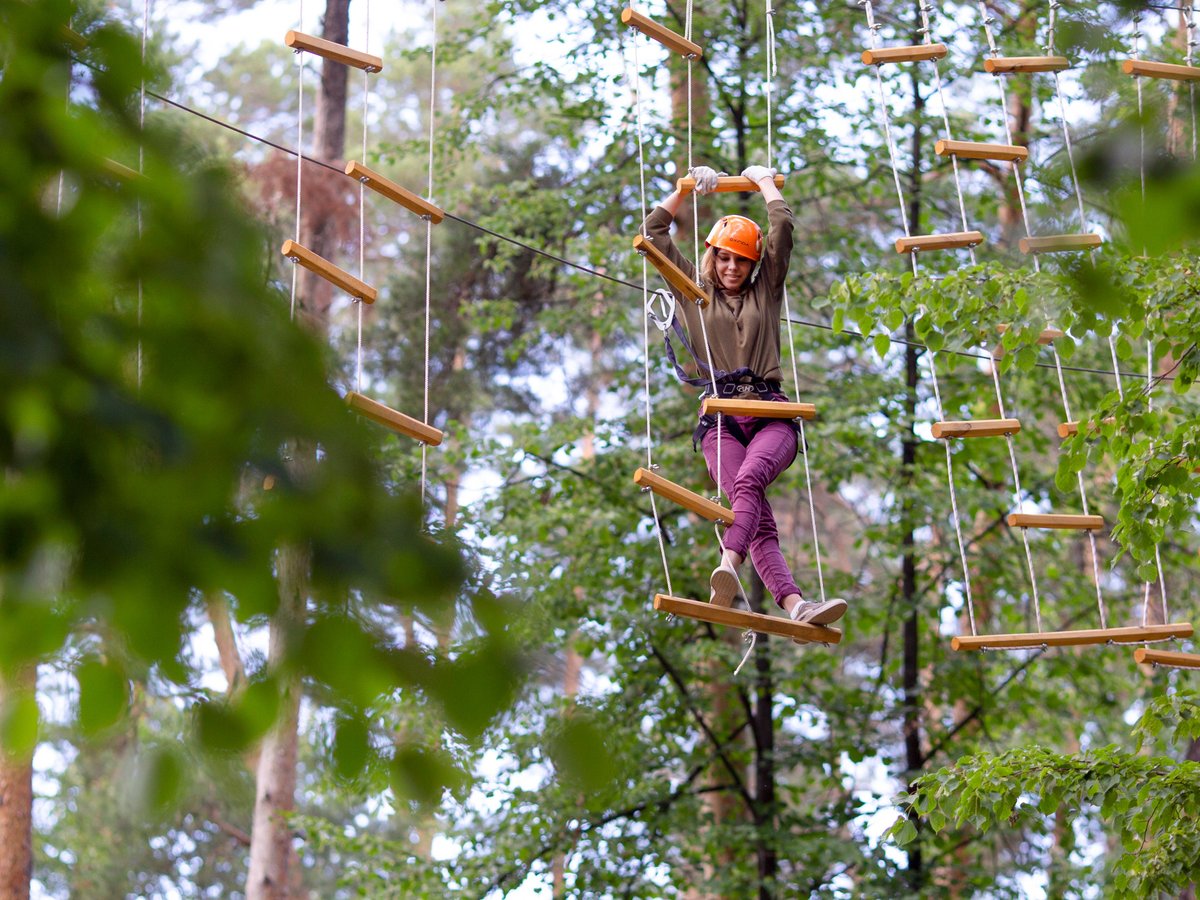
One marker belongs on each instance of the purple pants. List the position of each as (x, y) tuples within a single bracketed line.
[(745, 474)]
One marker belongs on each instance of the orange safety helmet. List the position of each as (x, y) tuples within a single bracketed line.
[(737, 234)]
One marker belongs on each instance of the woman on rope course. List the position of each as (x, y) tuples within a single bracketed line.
[(745, 276)]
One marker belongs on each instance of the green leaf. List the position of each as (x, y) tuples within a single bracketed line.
[(103, 695)]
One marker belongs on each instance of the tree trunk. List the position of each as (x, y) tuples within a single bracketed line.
[(16, 803), (764, 754)]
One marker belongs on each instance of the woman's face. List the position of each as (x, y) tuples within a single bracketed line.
[(732, 270)]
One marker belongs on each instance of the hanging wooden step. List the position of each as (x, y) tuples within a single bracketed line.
[(975, 428), (319, 265), (120, 171), (1169, 71), (764, 409), (955, 240), (1047, 336), (73, 38), (1055, 520), (1000, 65), (674, 275), (397, 421), (1067, 429), (911, 53), (1033, 640), (726, 184), (395, 193), (977, 150), (1058, 243), (1169, 658), (737, 618), (702, 506), (340, 53), (676, 43)]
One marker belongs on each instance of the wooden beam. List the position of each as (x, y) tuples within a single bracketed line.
[(1169, 71), (1037, 639), (702, 506), (911, 53), (1056, 243), (1067, 429), (120, 171), (397, 421), (1055, 520), (724, 615), (319, 265), (674, 275), (975, 428), (977, 150), (1000, 65), (340, 53), (676, 43), (726, 184), (395, 193), (950, 241), (764, 409), (1169, 658)]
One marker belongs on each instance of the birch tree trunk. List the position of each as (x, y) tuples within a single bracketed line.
[(16, 803)]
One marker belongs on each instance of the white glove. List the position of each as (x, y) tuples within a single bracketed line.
[(757, 173), (706, 179)]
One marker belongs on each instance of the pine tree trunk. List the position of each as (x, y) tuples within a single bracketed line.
[(16, 804)]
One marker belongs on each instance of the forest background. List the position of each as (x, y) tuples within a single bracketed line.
[(243, 654)]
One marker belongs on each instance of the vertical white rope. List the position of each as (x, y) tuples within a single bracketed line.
[(429, 240), (1189, 17), (637, 86), (362, 206), (885, 114), (299, 155), (962, 547), (141, 171), (772, 72), (1162, 581)]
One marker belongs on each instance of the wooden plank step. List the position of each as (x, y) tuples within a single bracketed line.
[(702, 506), (977, 150), (975, 428), (737, 618), (1067, 429), (726, 184), (676, 43), (1033, 640), (319, 265), (397, 421), (1169, 71), (999, 65), (1057, 243), (298, 40), (395, 192), (950, 241), (764, 409), (1055, 520), (1169, 658), (683, 285), (910, 53)]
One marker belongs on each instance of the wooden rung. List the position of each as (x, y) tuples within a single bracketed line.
[(1067, 429), (318, 265), (976, 428), (665, 36), (297, 40), (914, 53), (1055, 520), (714, 512), (976, 150), (952, 241), (724, 615), (394, 192), (998, 65), (1037, 639), (726, 184), (1170, 71), (119, 171), (764, 409), (72, 37), (1170, 658), (397, 421), (674, 275), (1054, 243)]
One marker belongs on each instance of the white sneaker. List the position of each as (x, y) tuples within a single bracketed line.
[(819, 613), (724, 584)]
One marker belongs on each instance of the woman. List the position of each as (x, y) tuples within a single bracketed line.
[(742, 327)]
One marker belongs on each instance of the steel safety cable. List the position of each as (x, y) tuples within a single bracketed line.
[(299, 155), (658, 529), (429, 239), (927, 31)]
